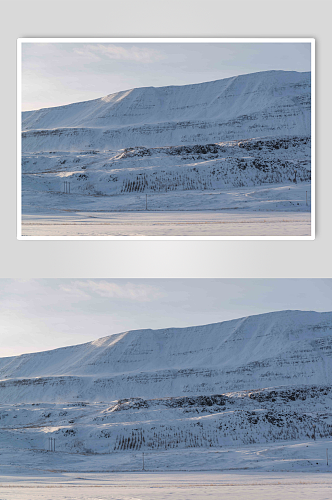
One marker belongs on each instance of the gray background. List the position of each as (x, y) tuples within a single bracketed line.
[(160, 18)]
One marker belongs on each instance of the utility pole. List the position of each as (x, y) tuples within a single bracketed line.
[(143, 461), (327, 456), (314, 434), (51, 444)]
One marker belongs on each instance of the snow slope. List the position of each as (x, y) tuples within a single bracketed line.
[(258, 104), (171, 169), (215, 421), (280, 348)]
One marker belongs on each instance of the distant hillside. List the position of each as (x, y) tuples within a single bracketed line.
[(268, 350), (270, 103)]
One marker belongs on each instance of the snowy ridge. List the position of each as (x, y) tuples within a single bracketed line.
[(245, 106), (281, 348)]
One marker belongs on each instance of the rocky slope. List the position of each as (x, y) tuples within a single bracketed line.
[(247, 163)]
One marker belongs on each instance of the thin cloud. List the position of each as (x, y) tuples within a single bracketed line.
[(132, 53), (127, 291)]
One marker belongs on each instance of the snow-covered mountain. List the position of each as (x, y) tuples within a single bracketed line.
[(246, 131), (269, 350), (258, 379), (254, 105)]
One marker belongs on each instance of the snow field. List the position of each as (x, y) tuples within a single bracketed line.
[(247, 475), (158, 488), (263, 210), (170, 225)]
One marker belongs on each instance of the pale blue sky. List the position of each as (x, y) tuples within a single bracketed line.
[(37, 315), (54, 74)]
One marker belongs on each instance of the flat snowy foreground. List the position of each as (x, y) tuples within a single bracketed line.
[(288, 470), (175, 486), (273, 210), (168, 224)]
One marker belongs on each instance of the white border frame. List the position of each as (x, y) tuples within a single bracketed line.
[(20, 41)]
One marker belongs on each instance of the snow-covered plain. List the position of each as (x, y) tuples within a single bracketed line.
[(273, 210), (288, 471), (174, 225), (197, 146), (240, 408), (180, 486)]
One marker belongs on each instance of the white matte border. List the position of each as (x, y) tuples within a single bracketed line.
[(20, 41)]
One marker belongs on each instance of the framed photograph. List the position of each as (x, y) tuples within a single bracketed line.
[(172, 138), (161, 389)]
